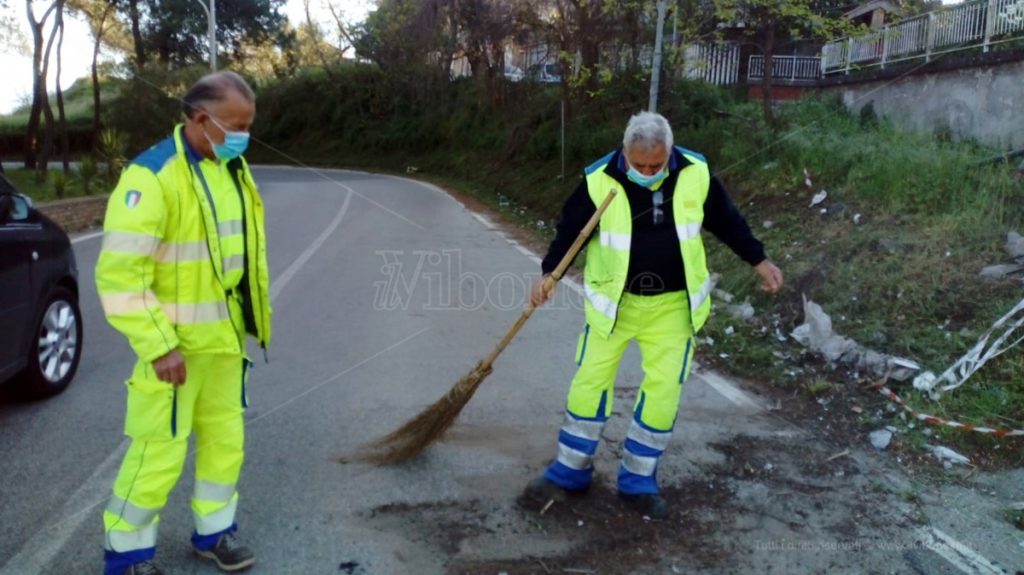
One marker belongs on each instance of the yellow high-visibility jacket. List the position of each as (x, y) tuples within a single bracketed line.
[(170, 261), (609, 248)]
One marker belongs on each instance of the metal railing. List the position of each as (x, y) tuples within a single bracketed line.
[(786, 69), (715, 63), (978, 23)]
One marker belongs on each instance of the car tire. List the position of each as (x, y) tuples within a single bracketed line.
[(56, 346)]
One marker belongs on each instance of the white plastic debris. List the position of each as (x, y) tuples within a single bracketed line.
[(579, 523), (743, 311), (856, 219), (999, 271), (729, 330), (818, 198), (946, 454), (983, 351), (816, 334), (881, 438), (1015, 245), (768, 224)]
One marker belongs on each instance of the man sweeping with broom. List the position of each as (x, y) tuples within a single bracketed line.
[(646, 279)]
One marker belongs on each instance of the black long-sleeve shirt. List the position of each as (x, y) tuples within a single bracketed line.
[(655, 262)]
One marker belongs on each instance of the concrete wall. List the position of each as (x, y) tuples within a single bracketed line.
[(979, 98), (78, 214)]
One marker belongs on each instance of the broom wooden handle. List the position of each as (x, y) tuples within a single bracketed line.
[(487, 362)]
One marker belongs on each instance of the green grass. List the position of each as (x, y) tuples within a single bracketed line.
[(25, 182)]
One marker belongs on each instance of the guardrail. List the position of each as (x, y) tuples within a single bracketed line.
[(979, 23)]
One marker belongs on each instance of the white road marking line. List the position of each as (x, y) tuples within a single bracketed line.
[(38, 551), (283, 279), (86, 237), (728, 390), (957, 554), (42, 547)]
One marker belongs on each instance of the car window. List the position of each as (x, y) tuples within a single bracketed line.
[(20, 212), (12, 209)]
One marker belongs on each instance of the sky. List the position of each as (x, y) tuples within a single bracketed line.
[(16, 69)]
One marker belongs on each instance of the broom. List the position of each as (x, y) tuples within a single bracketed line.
[(412, 438)]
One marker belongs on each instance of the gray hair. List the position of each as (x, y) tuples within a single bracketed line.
[(646, 130), (213, 88)]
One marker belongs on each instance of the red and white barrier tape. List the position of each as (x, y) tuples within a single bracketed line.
[(932, 420)]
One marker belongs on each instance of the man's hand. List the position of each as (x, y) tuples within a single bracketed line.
[(171, 368), (540, 293), (771, 275)]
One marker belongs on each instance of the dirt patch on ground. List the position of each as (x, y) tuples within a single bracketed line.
[(737, 516)]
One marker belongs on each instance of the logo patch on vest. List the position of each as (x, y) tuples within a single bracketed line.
[(132, 198)]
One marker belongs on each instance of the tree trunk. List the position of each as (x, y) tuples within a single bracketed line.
[(140, 48), (44, 98), (65, 145), (32, 130), (766, 81)]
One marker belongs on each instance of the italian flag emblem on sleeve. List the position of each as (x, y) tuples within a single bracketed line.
[(131, 199)]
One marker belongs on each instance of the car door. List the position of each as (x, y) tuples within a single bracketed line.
[(16, 294)]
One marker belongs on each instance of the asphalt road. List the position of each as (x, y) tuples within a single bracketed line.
[(385, 292)]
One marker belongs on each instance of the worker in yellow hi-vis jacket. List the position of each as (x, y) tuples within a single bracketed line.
[(183, 275), (646, 279)]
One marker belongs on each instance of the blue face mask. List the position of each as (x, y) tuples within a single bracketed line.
[(646, 181), (234, 144)]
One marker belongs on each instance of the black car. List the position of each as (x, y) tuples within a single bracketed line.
[(40, 323)]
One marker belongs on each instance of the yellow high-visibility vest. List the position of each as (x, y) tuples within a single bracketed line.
[(607, 264)]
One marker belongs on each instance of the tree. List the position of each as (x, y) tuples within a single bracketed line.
[(176, 29), (40, 98), (768, 20), (100, 15), (135, 17)]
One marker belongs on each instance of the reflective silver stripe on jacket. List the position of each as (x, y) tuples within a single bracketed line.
[(688, 231), (615, 241), (600, 302), (698, 298)]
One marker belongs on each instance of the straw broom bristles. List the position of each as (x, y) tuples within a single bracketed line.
[(430, 424), (412, 438)]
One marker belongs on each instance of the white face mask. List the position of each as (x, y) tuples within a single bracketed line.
[(235, 143), (638, 178)]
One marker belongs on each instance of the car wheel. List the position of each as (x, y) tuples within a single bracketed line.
[(56, 346)]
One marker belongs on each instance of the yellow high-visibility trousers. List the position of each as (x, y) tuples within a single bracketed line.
[(661, 326), (159, 420)]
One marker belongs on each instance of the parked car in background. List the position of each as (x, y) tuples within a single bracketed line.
[(40, 321), (547, 73), (513, 73)]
